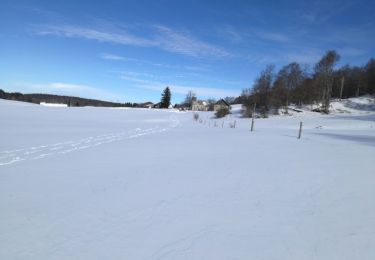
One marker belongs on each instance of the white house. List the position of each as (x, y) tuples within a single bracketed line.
[(198, 105)]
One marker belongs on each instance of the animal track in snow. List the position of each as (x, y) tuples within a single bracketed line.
[(43, 151)]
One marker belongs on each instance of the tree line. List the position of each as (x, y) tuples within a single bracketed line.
[(298, 85), (77, 101), (69, 100)]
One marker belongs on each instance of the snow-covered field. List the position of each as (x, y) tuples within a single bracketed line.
[(101, 183)]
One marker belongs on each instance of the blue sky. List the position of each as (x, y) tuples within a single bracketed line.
[(130, 50)]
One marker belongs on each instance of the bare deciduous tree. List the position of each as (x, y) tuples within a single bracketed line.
[(190, 96), (262, 88), (289, 78), (324, 70)]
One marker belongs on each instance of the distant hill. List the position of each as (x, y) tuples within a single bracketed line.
[(70, 101)]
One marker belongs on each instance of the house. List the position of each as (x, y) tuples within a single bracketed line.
[(147, 105), (182, 107), (198, 105), (157, 105), (221, 104)]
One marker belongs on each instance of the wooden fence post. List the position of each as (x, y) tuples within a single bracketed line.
[(253, 115), (342, 87), (300, 130)]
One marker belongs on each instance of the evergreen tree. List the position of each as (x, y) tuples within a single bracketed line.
[(166, 98)]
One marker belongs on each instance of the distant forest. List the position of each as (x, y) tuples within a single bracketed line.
[(70, 101)]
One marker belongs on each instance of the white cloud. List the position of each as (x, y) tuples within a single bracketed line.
[(309, 17), (291, 54), (173, 41), (101, 35), (304, 57), (314, 17), (109, 56), (348, 51), (161, 37), (204, 92), (252, 34), (272, 36), (230, 33)]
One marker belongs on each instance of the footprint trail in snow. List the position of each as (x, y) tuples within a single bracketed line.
[(43, 151)]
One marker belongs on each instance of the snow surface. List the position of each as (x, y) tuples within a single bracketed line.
[(53, 104), (101, 183)]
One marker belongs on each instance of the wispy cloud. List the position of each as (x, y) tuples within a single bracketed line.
[(191, 69), (262, 59), (204, 92), (313, 17), (230, 33), (352, 36), (115, 57), (252, 34), (303, 55), (286, 55), (93, 34), (350, 51), (161, 37), (174, 41), (320, 12), (109, 56), (272, 36)]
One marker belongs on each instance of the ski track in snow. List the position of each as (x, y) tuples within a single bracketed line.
[(43, 151)]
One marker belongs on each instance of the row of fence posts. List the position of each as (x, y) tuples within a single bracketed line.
[(233, 125), (252, 123)]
